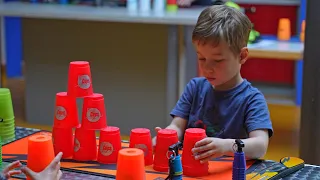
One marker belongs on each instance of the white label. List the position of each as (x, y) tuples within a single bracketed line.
[(106, 148), (84, 81), (61, 113), (76, 145), (93, 114)]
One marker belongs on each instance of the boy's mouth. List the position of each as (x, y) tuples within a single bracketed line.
[(211, 79)]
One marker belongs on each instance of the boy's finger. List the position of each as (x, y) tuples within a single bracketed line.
[(205, 155), (29, 172), (11, 166), (202, 142), (56, 160), (11, 173), (203, 148), (59, 175), (157, 129)]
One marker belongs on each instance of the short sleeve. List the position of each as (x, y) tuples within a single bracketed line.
[(257, 115), (184, 104)]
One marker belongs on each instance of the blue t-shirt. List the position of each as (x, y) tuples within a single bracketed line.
[(223, 114)]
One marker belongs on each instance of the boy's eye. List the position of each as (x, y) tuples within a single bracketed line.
[(202, 59), (219, 60)]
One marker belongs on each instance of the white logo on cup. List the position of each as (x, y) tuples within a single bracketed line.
[(143, 147), (76, 145), (93, 114), (106, 148), (61, 113), (84, 81)]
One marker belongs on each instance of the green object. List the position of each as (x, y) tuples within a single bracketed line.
[(172, 8), (6, 107), (233, 4), (4, 91), (7, 121), (253, 36)]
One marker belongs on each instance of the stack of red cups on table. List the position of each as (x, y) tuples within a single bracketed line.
[(83, 145)]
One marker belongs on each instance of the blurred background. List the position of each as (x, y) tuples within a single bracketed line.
[(141, 58)]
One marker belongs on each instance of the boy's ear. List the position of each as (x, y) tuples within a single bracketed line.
[(244, 55)]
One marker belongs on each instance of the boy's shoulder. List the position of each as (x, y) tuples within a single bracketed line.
[(246, 89)]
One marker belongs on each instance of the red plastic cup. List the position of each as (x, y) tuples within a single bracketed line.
[(63, 140), (192, 167), (165, 138), (40, 152), (171, 2), (109, 145), (85, 145), (93, 112), (66, 113), (141, 138), (79, 79)]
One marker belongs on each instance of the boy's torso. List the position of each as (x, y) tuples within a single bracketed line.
[(221, 114)]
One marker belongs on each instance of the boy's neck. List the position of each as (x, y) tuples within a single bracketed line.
[(233, 82)]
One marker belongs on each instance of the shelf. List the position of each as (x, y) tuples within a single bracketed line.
[(277, 94)]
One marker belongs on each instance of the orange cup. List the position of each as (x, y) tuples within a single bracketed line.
[(303, 29), (130, 164), (79, 79), (284, 29), (66, 113), (141, 138), (94, 113), (165, 138), (63, 140), (85, 145), (40, 152), (109, 145)]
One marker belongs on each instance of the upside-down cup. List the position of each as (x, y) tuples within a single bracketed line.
[(141, 138), (165, 138), (192, 167), (63, 140), (40, 152), (130, 164), (93, 112), (66, 113), (85, 145), (109, 145), (6, 106), (79, 79)]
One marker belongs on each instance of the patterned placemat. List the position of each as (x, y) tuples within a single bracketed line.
[(22, 132), (308, 172)]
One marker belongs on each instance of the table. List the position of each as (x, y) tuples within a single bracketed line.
[(180, 66), (308, 172)]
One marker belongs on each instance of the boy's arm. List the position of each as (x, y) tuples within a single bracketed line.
[(181, 111), (256, 145), (179, 124), (258, 125)]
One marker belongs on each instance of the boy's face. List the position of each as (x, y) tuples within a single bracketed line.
[(219, 64)]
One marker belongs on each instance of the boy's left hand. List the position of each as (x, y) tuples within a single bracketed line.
[(10, 169), (209, 148)]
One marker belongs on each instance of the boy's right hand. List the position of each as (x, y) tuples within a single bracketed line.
[(154, 139)]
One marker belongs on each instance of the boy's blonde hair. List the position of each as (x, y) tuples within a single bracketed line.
[(219, 23)]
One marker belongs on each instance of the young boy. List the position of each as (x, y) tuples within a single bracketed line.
[(222, 102)]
